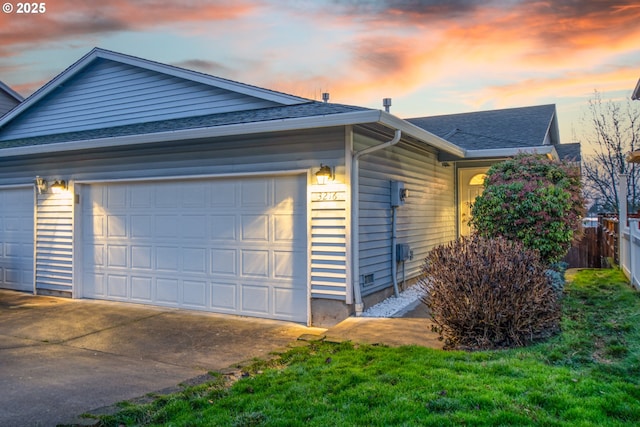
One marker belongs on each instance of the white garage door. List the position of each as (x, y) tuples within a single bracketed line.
[(16, 238), (225, 245)]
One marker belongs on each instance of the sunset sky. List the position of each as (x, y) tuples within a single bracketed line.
[(432, 57)]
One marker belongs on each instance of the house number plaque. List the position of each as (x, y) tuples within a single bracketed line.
[(328, 196)]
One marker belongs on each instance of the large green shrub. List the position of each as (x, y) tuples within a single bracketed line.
[(489, 293), (534, 200)]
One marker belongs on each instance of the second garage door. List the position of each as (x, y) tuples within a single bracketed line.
[(16, 238), (224, 245)]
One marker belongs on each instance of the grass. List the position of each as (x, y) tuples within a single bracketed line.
[(589, 375)]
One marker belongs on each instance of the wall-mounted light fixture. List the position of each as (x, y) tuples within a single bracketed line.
[(41, 185), (445, 164), (58, 186), (324, 175)]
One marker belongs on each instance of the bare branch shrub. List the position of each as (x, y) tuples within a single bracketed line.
[(489, 293)]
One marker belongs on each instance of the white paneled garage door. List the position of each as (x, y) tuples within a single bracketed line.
[(235, 245), (16, 238)]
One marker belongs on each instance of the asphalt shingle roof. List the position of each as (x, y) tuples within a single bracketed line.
[(507, 128), (308, 109), (569, 152)]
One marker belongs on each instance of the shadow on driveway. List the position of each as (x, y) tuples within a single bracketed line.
[(61, 357)]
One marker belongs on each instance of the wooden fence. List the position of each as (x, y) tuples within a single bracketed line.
[(587, 253), (599, 246)]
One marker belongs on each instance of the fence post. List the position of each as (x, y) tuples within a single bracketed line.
[(634, 255), (625, 256), (622, 199)]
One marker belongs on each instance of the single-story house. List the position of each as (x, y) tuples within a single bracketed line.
[(9, 98), (129, 180)]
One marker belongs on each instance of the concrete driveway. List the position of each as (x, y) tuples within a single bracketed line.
[(61, 357)]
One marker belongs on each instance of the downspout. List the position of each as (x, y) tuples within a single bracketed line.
[(355, 216), (394, 251)]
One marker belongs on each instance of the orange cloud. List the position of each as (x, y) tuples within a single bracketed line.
[(407, 46), (75, 18), (391, 48), (574, 84)]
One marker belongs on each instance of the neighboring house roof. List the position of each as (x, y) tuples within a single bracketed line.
[(9, 98), (514, 128), (636, 92), (569, 152), (11, 92)]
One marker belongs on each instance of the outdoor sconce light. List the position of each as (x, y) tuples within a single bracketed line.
[(324, 174), (41, 185), (59, 186)]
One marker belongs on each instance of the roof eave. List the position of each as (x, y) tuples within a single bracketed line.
[(15, 95), (636, 92), (282, 125), (370, 116), (554, 128), (497, 153)]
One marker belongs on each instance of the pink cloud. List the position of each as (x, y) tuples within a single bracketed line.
[(392, 48), (75, 18), (419, 44)]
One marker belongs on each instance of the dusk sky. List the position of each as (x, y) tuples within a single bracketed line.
[(432, 57)]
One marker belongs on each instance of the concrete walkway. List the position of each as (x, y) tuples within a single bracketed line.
[(60, 358), (411, 327)]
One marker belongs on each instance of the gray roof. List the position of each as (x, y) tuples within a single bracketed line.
[(635, 95), (569, 152), (15, 95), (507, 128), (308, 109)]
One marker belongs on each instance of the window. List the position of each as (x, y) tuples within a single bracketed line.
[(477, 179)]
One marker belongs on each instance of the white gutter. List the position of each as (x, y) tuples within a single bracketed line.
[(199, 133), (302, 123), (355, 217), (507, 152)]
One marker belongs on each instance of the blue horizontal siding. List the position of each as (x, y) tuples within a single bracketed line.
[(427, 219), (108, 93)]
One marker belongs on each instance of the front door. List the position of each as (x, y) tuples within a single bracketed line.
[(470, 186)]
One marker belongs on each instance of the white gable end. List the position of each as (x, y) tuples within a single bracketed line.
[(106, 93)]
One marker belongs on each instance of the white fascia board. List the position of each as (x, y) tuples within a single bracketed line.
[(283, 125), (421, 134), (508, 152)]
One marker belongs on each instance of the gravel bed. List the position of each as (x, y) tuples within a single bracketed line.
[(392, 305)]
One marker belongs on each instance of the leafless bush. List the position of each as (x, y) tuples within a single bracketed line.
[(489, 293)]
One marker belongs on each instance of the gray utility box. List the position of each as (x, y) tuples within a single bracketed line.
[(398, 193), (403, 252)]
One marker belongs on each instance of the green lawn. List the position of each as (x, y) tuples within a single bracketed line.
[(587, 376)]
